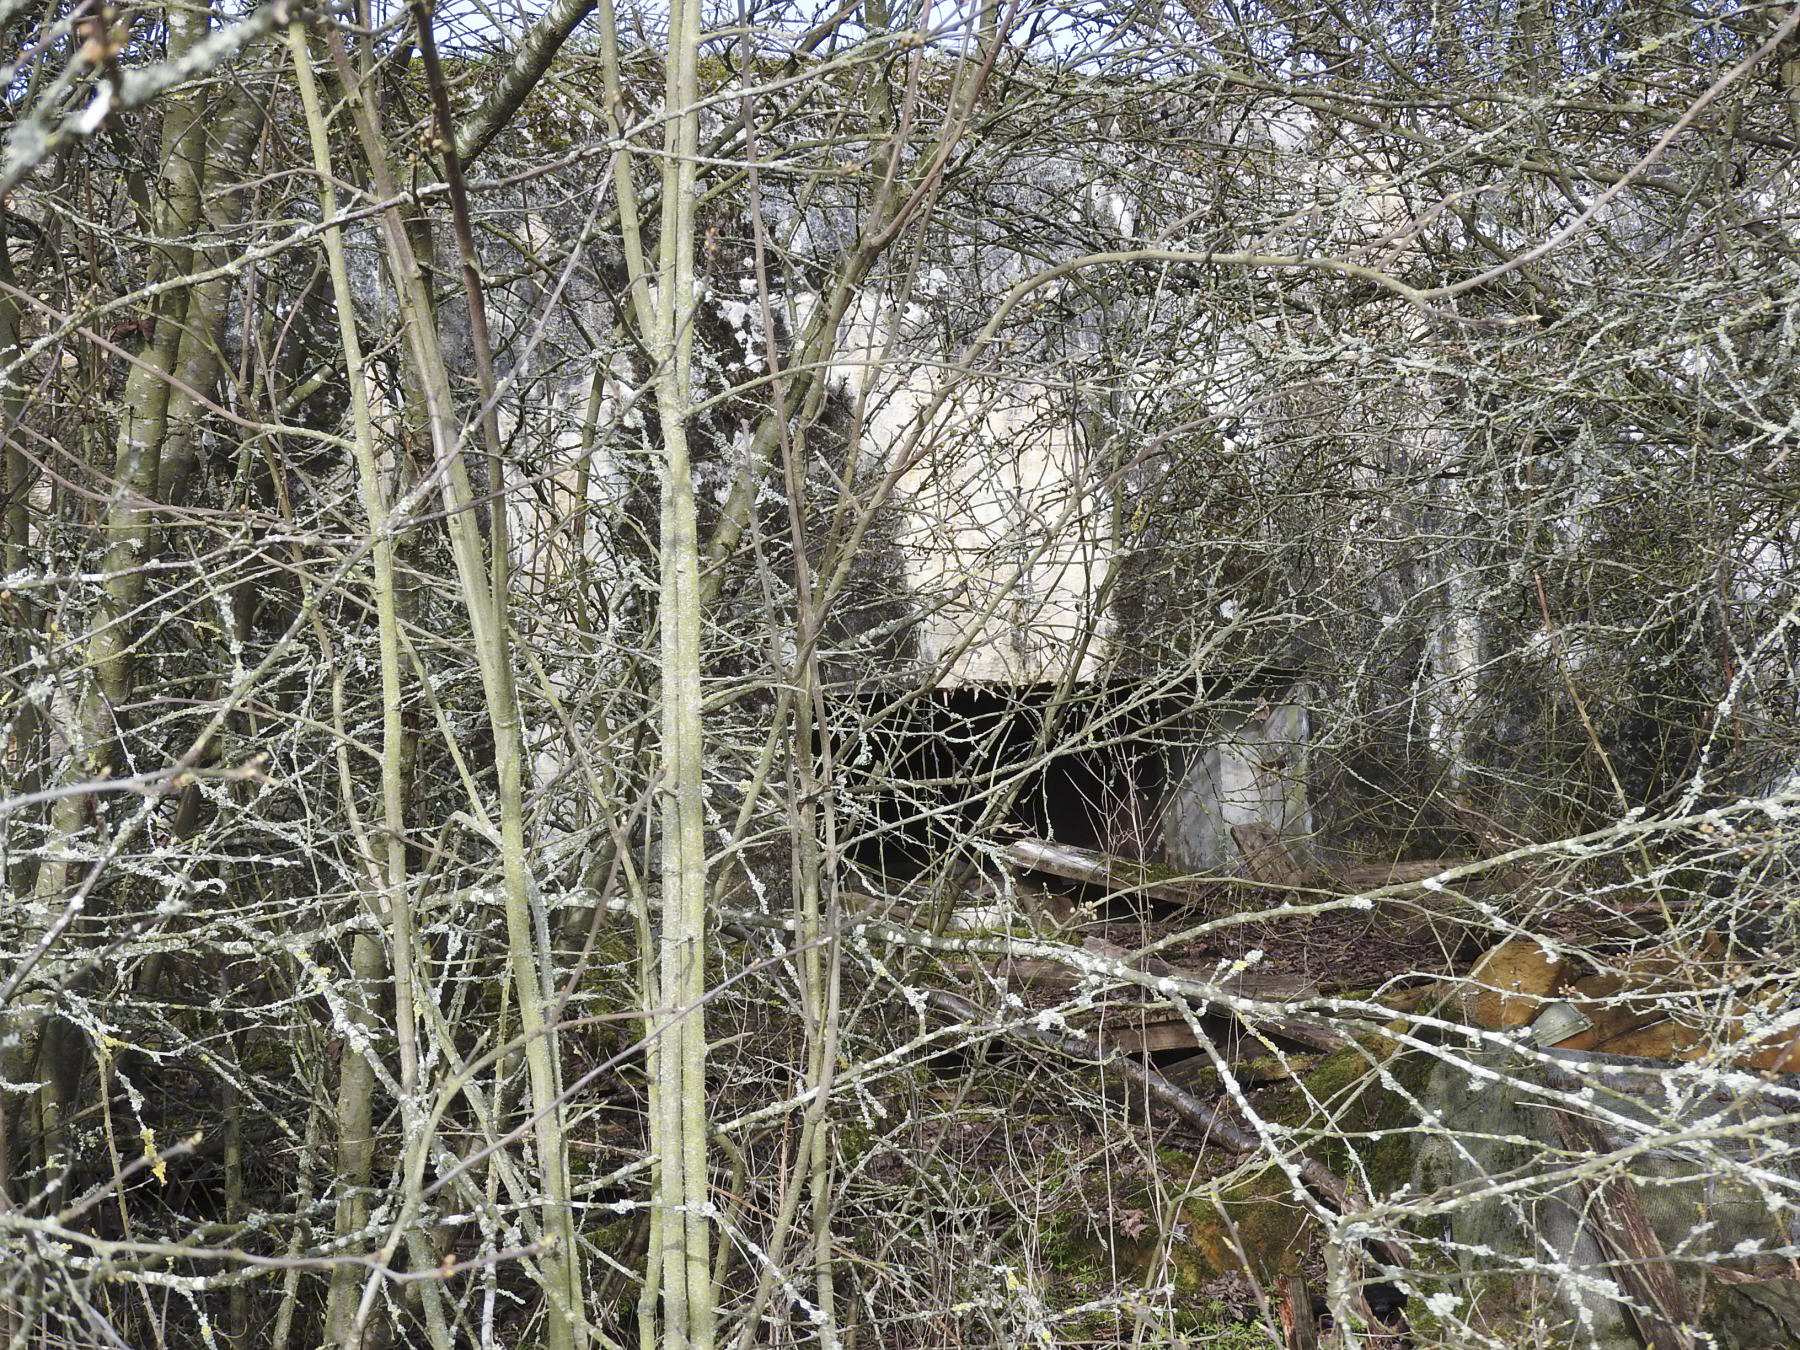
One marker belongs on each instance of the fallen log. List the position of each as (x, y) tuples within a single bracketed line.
[(1275, 871), (1119, 876)]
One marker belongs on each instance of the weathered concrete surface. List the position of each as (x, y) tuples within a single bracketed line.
[(1006, 539), (1252, 772)]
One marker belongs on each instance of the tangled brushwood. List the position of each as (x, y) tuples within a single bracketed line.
[(899, 675)]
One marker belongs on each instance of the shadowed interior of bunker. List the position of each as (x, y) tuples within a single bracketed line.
[(921, 775)]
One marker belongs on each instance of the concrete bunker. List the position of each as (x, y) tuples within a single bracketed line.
[(1168, 773)]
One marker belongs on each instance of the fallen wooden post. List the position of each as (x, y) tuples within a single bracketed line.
[(1654, 1296), (1299, 1319)]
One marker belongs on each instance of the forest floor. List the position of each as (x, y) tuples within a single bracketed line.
[(1176, 1207)]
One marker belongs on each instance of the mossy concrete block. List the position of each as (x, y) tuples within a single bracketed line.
[(1255, 1225), (1250, 1222), (1356, 1111), (1754, 1314), (1512, 1207)]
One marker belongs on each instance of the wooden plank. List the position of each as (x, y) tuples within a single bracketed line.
[(1355, 877), (1043, 972), (1174, 1033), (1266, 986), (1052, 976), (1150, 1034), (1263, 987), (1162, 1031)]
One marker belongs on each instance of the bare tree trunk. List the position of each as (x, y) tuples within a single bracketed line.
[(198, 158), (357, 1082), (678, 1130), (560, 1260)]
